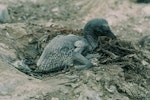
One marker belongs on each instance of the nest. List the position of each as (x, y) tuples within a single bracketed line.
[(123, 53)]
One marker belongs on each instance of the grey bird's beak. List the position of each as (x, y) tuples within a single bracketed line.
[(106, 31), (111, 35)]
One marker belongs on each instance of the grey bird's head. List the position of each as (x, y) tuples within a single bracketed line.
[(98, 27)]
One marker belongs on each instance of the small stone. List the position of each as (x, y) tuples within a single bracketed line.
[(55, 9), (98, 78), (145, 63), (121, 74), (94, 61), (75, 85), (64, 90), (89, 95), (4, 15), (81, 97), (112, 89), (54, 98), (137, 29), (77, 91), (19, 64), (146, 11), (101, 94), (30, 78), (32, 40), (72, 76)]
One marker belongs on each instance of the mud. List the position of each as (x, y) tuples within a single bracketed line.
[(122, 72)]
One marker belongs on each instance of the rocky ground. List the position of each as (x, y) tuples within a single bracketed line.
[(121, 73)]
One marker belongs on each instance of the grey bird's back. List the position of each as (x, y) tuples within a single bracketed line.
[(58, 53)]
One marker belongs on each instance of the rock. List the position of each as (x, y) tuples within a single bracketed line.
[(94, 61), (137, 29), (64, 90), (4, 15), (55, 9), (72, 76), (89, 95), (112, 89), (98, 78), (75, 85), (19, 64), (77, 91), (6, 52), (146, 11), (54, 98), (145, 63), (15, 85), (15, 31)]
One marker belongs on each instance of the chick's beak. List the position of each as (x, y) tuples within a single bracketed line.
[(108, 32), (111, 35)]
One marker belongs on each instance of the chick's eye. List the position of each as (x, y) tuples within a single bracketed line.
[(105, 28), (98, 29)]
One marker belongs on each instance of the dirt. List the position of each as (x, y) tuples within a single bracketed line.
[(122, 72)]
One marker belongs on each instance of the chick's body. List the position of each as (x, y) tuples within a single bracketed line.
[(58, 53)]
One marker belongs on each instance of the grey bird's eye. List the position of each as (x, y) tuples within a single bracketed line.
[(98, 29), (105, 27)]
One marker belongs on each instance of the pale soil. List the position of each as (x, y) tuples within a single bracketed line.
[(127, 78)]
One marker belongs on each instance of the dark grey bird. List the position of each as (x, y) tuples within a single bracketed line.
[(63, 50), (143, 1)]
